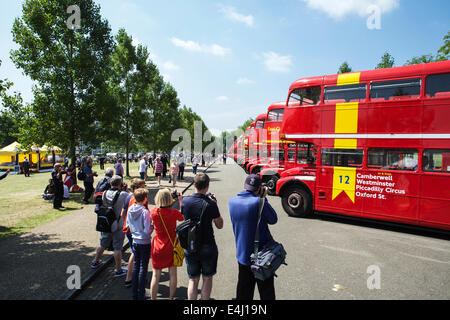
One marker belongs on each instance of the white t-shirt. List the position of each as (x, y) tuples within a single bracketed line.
[(142, 165)]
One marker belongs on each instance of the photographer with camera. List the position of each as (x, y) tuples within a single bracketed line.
[(244, 211), (204, 261), (88, 181), (57, 174)]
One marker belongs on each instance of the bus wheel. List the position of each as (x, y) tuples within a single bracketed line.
[(297, 202), (272, 185)]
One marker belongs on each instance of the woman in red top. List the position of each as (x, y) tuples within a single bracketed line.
[(162, 248)]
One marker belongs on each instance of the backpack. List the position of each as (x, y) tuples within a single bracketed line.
[(189, 232), (106, 217), (103, 185), (81, 175)]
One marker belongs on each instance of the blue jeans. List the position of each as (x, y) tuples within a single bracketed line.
[(140, 269)]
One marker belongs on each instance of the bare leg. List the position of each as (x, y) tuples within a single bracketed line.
[(99, 253), (193, 289), (207, 287), (130, 267), (172, 281), (154, 286), (118, 259)]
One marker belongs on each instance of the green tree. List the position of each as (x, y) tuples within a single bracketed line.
[(131, 84), (344, 68), (444, 52), (246, 124), (387, 61), (426, 58), (70, 69), (188, 119)]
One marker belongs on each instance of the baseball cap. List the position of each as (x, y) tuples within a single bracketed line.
[(252, 183)]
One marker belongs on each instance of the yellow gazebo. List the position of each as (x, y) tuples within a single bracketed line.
[(41, 158)]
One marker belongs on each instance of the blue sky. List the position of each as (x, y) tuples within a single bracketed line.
[(229, 60)]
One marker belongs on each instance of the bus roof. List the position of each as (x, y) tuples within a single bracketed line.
[(377, 74), (277, 105), (262, 116)]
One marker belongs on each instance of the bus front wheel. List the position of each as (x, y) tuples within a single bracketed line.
[(272, 185), (297, 202)]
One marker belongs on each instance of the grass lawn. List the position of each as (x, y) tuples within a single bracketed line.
[(22, 207)]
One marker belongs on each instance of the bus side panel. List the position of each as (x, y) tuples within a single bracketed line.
[(435, 202), (398, 200), (309, 122), (344, 202), (394, 117), (436, 115)]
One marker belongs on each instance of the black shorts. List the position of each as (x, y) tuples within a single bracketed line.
[(157, 174)]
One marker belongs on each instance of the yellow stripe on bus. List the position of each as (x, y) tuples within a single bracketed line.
[(347, 117), (348, 78), (345, 143)]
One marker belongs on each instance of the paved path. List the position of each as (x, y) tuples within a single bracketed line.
[(34, 264)]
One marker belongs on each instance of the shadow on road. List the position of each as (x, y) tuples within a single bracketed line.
[(32, 269), (382, 225)]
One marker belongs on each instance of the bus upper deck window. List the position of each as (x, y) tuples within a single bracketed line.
[(395, 89), (438, 85), (306, 96)]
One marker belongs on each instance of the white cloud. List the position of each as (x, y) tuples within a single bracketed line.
[(170, 66), (189, 45), (222, 98), (244, 81), (277, 63), (230, 13), (338, 9)]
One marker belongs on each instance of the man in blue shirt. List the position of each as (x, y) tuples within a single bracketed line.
[(88, 182), (244, 217)]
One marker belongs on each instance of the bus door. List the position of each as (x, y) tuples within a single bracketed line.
[(390, 185), (435, 191), (336, 181)]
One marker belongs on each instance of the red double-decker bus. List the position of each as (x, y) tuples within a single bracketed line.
[(242, 145), (378, 145), (255, 148), (270, 143)]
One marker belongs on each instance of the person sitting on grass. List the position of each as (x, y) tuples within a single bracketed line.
[(49, 192)]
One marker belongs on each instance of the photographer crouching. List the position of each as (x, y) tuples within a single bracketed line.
[(244, 212)]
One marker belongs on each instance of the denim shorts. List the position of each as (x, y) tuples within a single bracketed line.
[(203, 262)]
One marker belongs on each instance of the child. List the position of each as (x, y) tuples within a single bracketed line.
[(174, 173), (140, 224)]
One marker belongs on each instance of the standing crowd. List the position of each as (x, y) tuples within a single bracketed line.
[(152, 235)]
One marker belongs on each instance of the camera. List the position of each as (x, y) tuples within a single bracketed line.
[(211, 196), (175, 194)]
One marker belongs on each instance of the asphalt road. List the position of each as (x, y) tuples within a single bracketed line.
[(328, 258)]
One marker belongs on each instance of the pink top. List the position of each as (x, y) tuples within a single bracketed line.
[(158, 167), (174, 169)]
